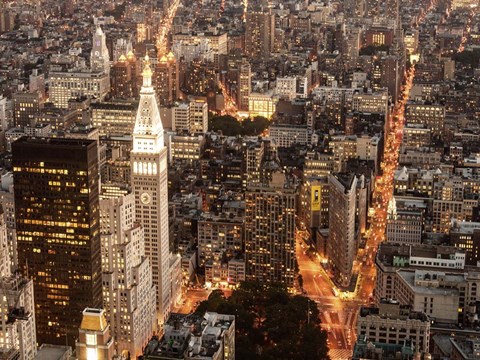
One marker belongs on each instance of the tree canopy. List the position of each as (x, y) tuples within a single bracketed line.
[(230, 126), (271, 324)]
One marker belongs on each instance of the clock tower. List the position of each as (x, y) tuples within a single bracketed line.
[(99, 57), (150, 186)]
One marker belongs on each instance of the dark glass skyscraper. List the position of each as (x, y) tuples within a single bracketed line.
[(57, 216)]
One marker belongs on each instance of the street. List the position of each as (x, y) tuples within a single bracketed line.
[(338, 317)]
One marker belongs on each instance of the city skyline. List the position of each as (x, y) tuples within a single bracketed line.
[(221, 180)]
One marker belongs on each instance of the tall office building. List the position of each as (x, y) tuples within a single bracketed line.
[(259, 33), (128, 292), (17, 311), (150, 186), (166, 79), (121, 78), (244, 84), (99, 57), (57, 214), (342, 246), (270, 231)]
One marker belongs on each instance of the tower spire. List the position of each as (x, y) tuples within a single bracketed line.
[(147, 73), (148, 123)]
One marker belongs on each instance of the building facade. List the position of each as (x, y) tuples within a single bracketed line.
[(128, 292), (57, 221), (270, 231), (342, 245)]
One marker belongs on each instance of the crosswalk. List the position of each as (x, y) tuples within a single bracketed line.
[(340, 354)]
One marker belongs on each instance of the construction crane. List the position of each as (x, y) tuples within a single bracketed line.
[(11, 288)]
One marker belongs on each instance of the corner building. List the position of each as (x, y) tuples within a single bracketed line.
[(57, 213)]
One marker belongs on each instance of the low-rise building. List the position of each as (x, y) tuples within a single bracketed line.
[(392, 323), (211, 337), (286, 135)]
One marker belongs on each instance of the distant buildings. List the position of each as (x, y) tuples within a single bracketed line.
[(67, 84)]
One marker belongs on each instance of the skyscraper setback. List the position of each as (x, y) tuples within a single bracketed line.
[(57, 215)]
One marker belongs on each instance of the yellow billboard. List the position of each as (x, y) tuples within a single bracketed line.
[(316, 196)]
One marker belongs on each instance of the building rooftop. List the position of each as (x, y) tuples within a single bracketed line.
[(93, 319), (53, 352), (191, 335), (468, 348)]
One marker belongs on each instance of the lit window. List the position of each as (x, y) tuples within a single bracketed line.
[(91, 339)]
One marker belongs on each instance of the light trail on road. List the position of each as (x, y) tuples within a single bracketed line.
[(338, 315), (466, 33), (165, 27), (230, 107)]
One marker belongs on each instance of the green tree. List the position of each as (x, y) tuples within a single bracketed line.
[(227, 124), (271, 323)]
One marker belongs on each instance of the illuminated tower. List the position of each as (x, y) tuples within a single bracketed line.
[(94, 340), (150, 186), (57, 218), (121, 78), (99, 58)]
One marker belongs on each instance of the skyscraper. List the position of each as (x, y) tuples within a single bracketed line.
[(259, 33), (166, 79), (99, 57), (270, 231), (128, 292), (122, 79), (244, 84), (150, 186), (57, 214), (341, 246)]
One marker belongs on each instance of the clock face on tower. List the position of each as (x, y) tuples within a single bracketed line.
[(97, 53), (145, 198)]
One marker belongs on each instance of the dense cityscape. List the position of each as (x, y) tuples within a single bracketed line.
[(258, 180)]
